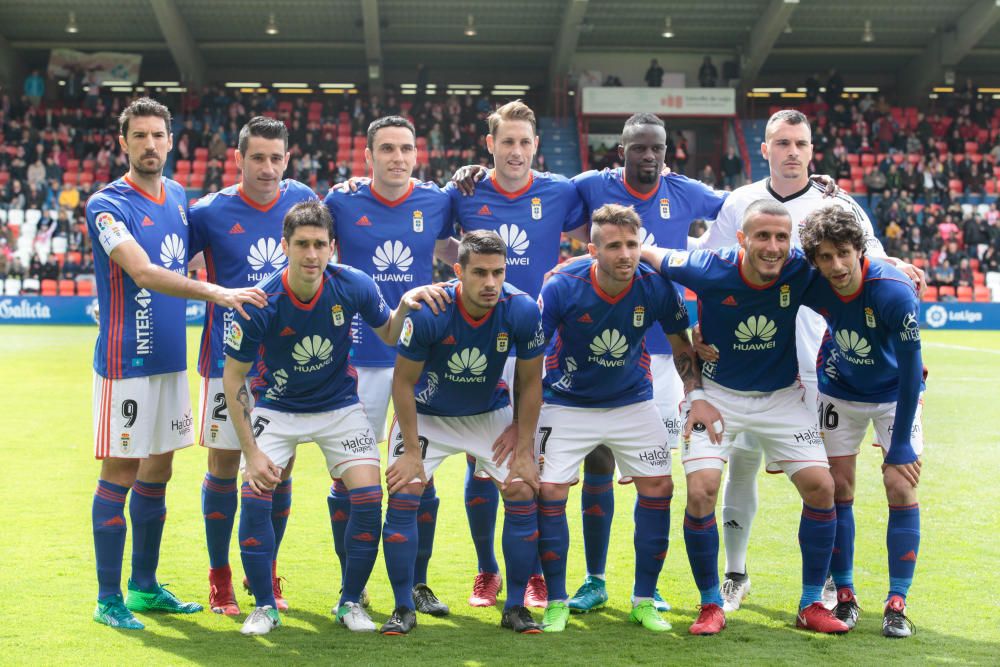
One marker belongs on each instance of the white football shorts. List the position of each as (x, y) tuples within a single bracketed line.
[(135, 418), (843, 425)]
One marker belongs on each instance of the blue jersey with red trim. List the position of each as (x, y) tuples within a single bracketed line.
[(752, 327), (666, 213), (464, 357), (303, 350), (857, 358), (142, 332), (597, 356), (241, 240), (530, 221), (393, 242)]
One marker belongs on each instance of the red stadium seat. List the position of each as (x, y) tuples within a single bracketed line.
[(84, 288), (898, 158), (88, 165), (853, 159), (867, 160), (931, 294), (857, 172), (86, 179), (955, 185), (50, 288), (182, 167), (230, 168), (360, 142), (919, 262), (860, 187), (75, 256), (974, 263), (201, 154), (914, 158), (964, 294), (959, 157), (72, 165), (845, 184), (182, 178), (69, 178), (942, 147), (4, 177), (945, 290), (67, 288), (981, 293), (978, 278), (971, 147), (197, 181), (230, 155), (230, 179), (199, 167)]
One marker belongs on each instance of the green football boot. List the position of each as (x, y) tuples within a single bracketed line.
[(591, 595), (645, 614), (158, 599), (555, 617), (111, 611)]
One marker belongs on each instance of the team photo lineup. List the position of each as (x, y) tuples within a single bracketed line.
[(806, 333)]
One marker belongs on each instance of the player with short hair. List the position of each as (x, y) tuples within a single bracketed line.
[(448, 400), (142, 410), (307, 392), (529, 210), (598, 390), (391, 228), (239, 231), (869, 370), (787, 147)]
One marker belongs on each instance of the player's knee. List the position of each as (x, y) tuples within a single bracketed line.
[(287, 470), (412, 489), (817, 489), (702, 497), (600, 461), (553, 492), (158, 468), (518, 492), (223, 463), (656, 487), (898, 491)]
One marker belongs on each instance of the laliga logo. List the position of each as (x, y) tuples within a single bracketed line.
[(266, 251), (514, 238), (936, 316), (172, 251), (392, 254)]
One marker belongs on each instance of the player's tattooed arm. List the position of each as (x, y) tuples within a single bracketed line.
[(686, 362), (260, 472)]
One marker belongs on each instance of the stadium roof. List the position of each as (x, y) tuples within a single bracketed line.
[(517, 41)]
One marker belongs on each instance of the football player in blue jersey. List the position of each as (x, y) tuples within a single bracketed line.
[(870, 371), (449, 400), (390, 227), (239, 231), (748, 298), (301, 341), (142, 412), (598, 389), (529, 210)]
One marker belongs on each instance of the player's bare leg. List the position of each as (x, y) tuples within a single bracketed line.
[(701, 539), (817, 531), (597, 501)]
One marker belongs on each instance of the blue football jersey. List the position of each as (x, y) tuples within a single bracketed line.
[(753, 327), (303, 350), (530, 221), (596, 356), (142, 332), (857, 358), (242, 244), (464, 357), (393, 242), (666, 213)]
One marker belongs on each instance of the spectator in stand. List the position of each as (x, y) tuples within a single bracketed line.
[(36, 172), (974, 181), (707, 176), (943, 275), (917, 243), (894, 178), (34, 196), (991, 259), (70, 269), (911, 181), (217, 147), (732, 169), (69, 196), (34, 88), (976, 235), (6, 233), (875, 182), (50, 269), (843, 170), (948, 229), (34, 267), (15, 197), (5, 257), (812, 86), (963, 276), (16, 268), (681, 153), (654, 75), (707, 74)]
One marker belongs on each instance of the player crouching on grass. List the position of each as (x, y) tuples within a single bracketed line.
[(308, 393), (448, 398), (869, 370)]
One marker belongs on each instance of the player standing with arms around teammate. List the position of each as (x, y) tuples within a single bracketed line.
[(448, 400), (239, 231), (598, 390), (748, 297), (529, 210), (391, 228), (142, 409), (869, 370), (307, 392)]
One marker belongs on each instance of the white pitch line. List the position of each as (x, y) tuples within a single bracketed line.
[(964, 348)]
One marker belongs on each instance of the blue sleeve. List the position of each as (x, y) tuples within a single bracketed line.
[(574, 209), (674, 314), (705, 202), (911, 369), (245, 336), (548, 303), (447, 218), (331, 206), (455, 198), (198, 238), (686, 268), (529, 337), (584, 184), (416, 338), (372, 307)]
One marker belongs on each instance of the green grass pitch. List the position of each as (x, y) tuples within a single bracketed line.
[(48, 579)]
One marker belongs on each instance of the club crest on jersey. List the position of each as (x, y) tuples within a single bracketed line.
[(536, 208), (665, 208), (184, 219), (418, 221), (503, 341), (638, 316), (870, 318), (338, 315), (125, 442), (785, 298)]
